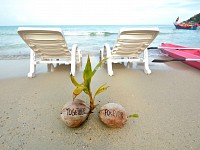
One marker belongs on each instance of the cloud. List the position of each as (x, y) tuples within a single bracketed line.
[(97, 11)]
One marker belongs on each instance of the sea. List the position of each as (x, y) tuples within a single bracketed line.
[(91, 38)]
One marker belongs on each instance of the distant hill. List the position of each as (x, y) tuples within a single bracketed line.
[(195, 18)]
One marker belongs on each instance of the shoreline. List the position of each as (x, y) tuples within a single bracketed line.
[(167, 102), (12, 68)]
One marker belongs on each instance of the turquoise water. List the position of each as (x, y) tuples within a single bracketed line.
[(91, 38)]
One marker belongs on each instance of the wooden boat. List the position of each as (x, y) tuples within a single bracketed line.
[(185, 26), (177, 51)]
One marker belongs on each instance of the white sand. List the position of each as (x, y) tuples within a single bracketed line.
[(167, 102)]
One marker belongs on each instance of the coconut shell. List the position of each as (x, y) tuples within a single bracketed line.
[(74, 113), (113, 115)]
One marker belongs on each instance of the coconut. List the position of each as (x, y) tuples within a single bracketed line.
[(113, 115), (74, 113)]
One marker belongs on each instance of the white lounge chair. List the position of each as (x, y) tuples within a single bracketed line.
[(48, 46), (131, 42)]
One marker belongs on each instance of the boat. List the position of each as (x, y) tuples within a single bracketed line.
[(177, 51), (185, 26)]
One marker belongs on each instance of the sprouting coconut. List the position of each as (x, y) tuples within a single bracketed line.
[(77, 119), (74, 113), (114, 115)]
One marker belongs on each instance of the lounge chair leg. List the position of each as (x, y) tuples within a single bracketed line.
[(78, 56), (109, 61), (100, 56), (102, 53), (109, 67), (31, 74), (50, 67), (57, 63), (73, 59), (73, 66), (146, 62)]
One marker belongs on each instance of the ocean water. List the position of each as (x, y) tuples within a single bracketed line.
[(90, 38)]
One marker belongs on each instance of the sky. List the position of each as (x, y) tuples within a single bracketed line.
[(96, 12)]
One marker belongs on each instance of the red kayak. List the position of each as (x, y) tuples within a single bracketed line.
[(177, 51)]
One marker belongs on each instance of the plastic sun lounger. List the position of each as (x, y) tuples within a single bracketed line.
[(48, 46), (131, 42)]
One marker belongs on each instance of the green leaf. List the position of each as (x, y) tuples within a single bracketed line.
[(74, 80), (133, 116), (87, 74), (101, 89), (86, 91), (77, 91), (98, 65)]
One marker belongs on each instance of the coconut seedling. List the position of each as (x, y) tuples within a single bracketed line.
[(74, 113), (86, 85), (114, 115)]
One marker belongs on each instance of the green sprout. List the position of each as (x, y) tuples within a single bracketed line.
[(85, 86), (133, 116)]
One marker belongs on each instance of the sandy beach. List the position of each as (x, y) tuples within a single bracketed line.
[(167, 102)]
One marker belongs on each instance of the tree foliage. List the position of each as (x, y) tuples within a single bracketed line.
[(195, 18)]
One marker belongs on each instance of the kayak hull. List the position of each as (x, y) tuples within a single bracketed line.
[(177, 51)]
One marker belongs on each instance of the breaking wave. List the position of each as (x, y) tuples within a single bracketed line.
[(87, 33)]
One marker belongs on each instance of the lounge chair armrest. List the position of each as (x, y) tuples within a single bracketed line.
[(78, 55), (73, 52), (108, 49), (106, 46), (73, 59), (74, 48)]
